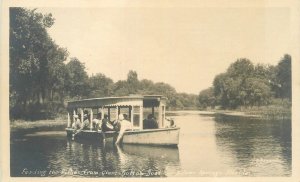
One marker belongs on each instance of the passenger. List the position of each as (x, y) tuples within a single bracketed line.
[(106, 126), (86, 122), (171, 123), (150, 122), (124, 125), (97, 123), (76, 124)]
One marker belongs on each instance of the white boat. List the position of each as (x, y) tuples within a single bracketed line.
[(135, 107)]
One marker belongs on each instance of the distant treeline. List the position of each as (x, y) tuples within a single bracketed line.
[(41, 81), (246, 85)]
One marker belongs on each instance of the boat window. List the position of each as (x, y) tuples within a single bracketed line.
[(113, 113), (136, 116), (125, 110), (148, 110), (95, 113)]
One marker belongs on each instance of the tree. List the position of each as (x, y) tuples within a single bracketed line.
[(77, 79), (243, 85), (132, 81), (34, 61), (100, 85), (120, 88), (284, 77), (242, 68), (207, 98), (258, 92)]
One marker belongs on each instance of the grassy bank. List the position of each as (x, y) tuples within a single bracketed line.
[(17, 125), (270, 112), (265, 112)]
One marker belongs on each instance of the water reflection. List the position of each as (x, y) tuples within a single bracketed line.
[(110, 160), (255, 145)]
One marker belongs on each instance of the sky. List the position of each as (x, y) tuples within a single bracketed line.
[(185, 47)]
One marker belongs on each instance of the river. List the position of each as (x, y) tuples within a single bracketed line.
[(210, 145)]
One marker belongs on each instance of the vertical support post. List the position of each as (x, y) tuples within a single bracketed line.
[(69, 122), (91, 119), (102, 113), (159, 116), (74, 113), (153, 110), (141, 118), (164, 115), (117, 112), (109, 113), (131, 114), (81, 112)]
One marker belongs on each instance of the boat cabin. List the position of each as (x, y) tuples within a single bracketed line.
[(135, 107)]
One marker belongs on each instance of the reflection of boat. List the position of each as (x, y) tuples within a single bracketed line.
[(155, 152), (134, 107)]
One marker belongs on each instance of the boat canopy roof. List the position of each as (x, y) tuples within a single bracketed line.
[(132, 100)]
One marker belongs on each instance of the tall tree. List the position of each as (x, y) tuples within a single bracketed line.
[(132, 81), (34, 57), (284, 77), (77, 79), (100, 85)]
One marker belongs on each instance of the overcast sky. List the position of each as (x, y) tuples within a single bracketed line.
[(184, 47)]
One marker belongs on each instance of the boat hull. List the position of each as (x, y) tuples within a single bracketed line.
[(166, 136), (161, 137)]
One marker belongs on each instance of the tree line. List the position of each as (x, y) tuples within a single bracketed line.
[(42, 77), (246, 85)]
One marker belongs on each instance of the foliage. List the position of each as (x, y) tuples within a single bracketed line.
[(207, 98), (283, 76), (77, 79), (36, 62), (245, 84)]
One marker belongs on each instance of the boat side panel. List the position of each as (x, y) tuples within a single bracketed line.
[(164, 137)]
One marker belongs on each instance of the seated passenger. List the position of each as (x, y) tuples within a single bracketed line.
[(76, 124), (150, 122), (106, 124), (97, 123), (86, 122)]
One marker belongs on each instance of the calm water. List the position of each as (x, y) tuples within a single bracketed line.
[(210, 145)]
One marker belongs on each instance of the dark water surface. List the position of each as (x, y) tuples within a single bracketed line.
[(210, 145)]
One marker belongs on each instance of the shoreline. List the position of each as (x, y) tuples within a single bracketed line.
[(268, 113)]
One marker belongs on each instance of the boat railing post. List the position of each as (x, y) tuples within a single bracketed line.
[(69, 122), (102, 113), (141, 118), (153, 110), (81, 118), (74, 113), (131, 114), (163, 115), (160, 116), (91, 119), (117, 112)]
